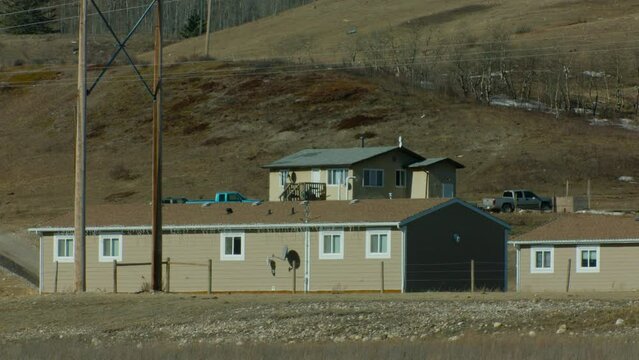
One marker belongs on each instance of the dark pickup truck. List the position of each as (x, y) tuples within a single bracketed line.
[(517, 199)]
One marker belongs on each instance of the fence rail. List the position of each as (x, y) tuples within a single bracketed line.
[(472, 273)]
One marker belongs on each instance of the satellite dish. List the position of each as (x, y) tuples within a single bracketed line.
[(293, 260), (284, 252), (272, 265)]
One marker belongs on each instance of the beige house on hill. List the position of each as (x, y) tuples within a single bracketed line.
[(361, 173), (339, 246), (580, 252)]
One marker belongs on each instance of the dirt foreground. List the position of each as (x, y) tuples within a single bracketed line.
[(248, 325)]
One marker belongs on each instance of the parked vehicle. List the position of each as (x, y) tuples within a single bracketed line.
[(224, 197), (174, 200), (517, 199)]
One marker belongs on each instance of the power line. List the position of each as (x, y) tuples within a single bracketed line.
[(509, 53), (39, 8), (75, 17), (300, 69)]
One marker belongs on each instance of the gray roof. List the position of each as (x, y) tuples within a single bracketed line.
[(333, 157), (431, 161)]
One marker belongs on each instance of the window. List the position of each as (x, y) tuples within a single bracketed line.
[(232, 246), (541, 259), (283, 178), (378, 244), (507, 194), (587, 258), (336, 176), (373, 178), (63, 248), (400, 178), (331, 244), (520, 195), (110, 248)]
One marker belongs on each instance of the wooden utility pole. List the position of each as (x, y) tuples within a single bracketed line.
[(80, 157), (156, 198), (208, 28)]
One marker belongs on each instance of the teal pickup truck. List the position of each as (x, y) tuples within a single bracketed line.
[(224, 197)]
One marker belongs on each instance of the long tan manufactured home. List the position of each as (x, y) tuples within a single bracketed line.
[(580, 252), (338, 246)]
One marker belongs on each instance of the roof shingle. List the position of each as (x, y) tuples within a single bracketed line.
[(332, 157), (585, 227), (369, 211)]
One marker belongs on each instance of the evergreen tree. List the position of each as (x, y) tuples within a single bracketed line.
[(19, 21), (192, 26)]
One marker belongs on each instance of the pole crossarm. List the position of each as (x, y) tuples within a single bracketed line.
[(121, 46)]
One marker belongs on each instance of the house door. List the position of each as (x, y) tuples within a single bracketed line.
[(448, 190), (315, 175)]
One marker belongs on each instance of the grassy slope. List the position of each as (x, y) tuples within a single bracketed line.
[(222, 122), (221, 126), (320, 30)]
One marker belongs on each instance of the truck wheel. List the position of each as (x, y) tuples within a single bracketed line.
[(507, 208), (545, 207)]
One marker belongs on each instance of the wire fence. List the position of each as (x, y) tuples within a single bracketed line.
[(203, 276)]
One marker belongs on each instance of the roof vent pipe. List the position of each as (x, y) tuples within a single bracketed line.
[(401, 143), (361, 138)]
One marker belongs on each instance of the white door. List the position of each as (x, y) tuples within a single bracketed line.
[(315, 175), (448, 190)]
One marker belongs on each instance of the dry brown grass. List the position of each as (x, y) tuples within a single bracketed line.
[(222, 139)]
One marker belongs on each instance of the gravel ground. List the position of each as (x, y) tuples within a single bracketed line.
[(288, 319)]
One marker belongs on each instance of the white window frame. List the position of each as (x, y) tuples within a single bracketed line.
[(581, 269), (101, 256), (378, 255), (57, 238), (331, 256), (283, 178), (402, 171), (330, 173), (533, 259), (232, 257), (373, 170)]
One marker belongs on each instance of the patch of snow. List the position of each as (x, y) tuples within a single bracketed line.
[(626, 178), (594, 74), (601, 212), (599, 122), (518, 104), (629, 124)]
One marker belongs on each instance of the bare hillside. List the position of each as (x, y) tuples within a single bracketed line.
[(225, 120), (329, 30)]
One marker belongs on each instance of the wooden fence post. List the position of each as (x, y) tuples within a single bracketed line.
[(382, 275), (168, 275), (210, 276), (55, 279), (472, 275), (568, 276), (294, 279), (115, 276)]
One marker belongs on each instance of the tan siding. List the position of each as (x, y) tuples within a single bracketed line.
[(617, 270), (389, 163), (274, 188), (418, 187), (355, 272)]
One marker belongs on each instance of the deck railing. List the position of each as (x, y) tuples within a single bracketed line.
[(304, 191)]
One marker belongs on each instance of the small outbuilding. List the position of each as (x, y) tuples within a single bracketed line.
[(580, 252), (327, 246)]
